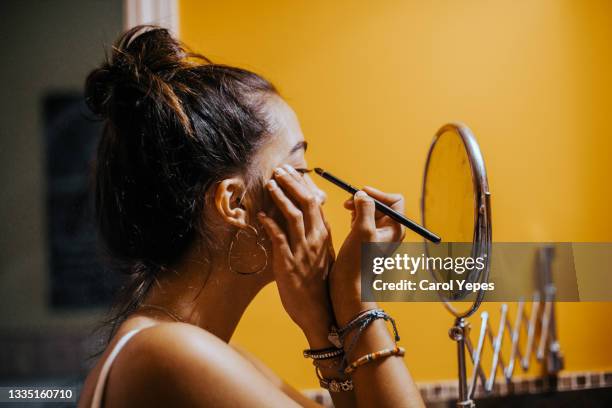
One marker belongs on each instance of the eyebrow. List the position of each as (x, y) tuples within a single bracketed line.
[(299, 146)]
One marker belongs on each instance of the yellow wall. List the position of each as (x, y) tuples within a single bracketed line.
[(371, 83)]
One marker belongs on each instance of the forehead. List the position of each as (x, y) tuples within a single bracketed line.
[(285, 135), (285, 125)]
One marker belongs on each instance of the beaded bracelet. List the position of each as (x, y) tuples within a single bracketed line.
[(368, 358), (323, 354)]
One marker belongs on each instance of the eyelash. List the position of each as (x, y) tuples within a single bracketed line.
[(303, 170)]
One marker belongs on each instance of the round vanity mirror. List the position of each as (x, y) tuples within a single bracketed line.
[(456, 204)]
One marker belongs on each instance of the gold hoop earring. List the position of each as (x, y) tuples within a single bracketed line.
[(233, 254)]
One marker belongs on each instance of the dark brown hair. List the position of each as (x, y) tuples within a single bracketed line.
[(175, 123)]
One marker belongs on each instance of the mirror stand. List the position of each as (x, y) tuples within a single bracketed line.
[(539, 324), (459, 333)]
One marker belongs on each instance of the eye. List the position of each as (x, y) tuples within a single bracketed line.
[(303, 170)]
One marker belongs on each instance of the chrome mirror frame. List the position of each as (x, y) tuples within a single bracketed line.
[(481, 241)]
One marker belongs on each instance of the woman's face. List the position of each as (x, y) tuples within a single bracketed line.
[(286, 146)]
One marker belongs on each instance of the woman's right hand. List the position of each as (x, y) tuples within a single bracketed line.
[(368, 225), (302, 256)]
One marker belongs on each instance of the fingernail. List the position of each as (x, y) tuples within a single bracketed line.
[(290, 168), (360, 194), (280, 171), (261, 214), (271, 184)]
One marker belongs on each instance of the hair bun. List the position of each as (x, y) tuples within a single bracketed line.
[(98, 90), (143, 62)]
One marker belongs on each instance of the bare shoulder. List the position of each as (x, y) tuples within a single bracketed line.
[(177, 342), (181, 364)]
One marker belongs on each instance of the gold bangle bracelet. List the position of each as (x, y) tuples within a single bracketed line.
[(368, 358)]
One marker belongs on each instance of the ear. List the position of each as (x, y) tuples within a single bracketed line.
[(227, 202)]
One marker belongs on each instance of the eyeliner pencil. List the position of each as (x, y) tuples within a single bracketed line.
[(383, 208)]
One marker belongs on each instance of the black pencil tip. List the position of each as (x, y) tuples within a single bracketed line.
[(319, 170)]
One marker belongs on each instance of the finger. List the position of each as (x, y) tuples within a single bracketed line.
[(331, 252), (328, 228), (350, 205), (293, 215), (329, 239), (275, 233), (282, 257), (395, 201), (299, 177), (365, 221), (293, 184), (380, 217)]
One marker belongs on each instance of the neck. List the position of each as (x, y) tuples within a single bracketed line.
[(206, 293)]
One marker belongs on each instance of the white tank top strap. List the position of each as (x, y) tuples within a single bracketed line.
[(98, 395)]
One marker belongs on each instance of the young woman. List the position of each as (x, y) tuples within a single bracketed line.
[(203, 197)]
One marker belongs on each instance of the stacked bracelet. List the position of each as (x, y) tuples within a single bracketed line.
[(338, 354), (360, 323), (329, 358), (334, 384), (323, 354), (368, 358)]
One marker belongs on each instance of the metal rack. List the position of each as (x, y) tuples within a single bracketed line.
[(539, 324)]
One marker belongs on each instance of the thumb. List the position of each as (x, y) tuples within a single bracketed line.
[(365, 221)]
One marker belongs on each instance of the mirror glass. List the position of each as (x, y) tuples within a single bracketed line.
[(451, 191)]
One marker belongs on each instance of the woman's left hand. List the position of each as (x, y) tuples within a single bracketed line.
[(302, 256)]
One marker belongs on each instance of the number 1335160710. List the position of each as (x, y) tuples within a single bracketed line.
[(14, 394)]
